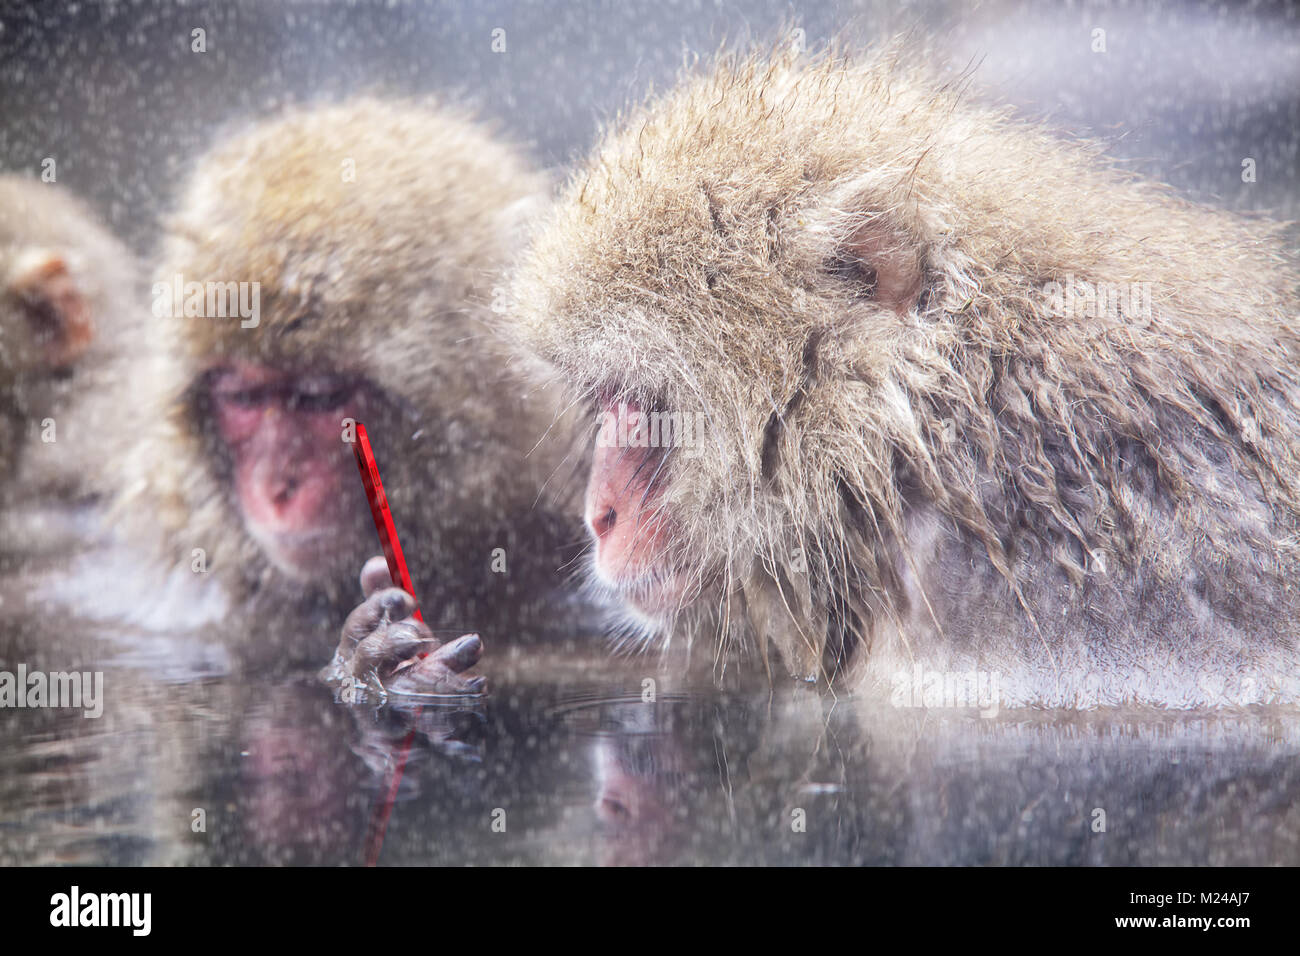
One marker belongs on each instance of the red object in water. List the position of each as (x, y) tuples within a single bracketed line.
[(398, 572), (383, 517)]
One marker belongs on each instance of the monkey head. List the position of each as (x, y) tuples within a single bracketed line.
[(67, 332), (326, 267), (60, 275)]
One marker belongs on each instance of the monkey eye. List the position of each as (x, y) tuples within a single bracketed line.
[(321, 394), (231, 388), (244, 397)]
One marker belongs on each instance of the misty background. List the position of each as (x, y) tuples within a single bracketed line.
[(113, 92)]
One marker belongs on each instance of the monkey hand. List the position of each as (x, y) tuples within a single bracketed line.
[(383, 645)]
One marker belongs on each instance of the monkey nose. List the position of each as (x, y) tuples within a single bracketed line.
[(602, 522), (284, 491)]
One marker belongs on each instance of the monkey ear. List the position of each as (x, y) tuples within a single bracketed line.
[(885, 264), (53, 304)]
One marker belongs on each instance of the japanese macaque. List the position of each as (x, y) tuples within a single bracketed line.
[(67, 312), (330, 266), (893, 383)]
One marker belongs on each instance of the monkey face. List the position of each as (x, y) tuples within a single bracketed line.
[(292, 475), (625, 511), (666, 506), (753, 271)]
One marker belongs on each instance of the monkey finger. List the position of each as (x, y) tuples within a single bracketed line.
[(392, 649), (391, 604), (404, 639), (368, 656), (375, 576), (432, 675), (460, 654)]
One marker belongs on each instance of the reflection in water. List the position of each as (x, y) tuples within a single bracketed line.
[(219, 771), (642, 780)]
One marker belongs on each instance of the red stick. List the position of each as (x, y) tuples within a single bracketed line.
[(383, 517), (400, 575)]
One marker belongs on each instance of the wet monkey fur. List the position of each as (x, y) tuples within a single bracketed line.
[(968, 397), (374, 232)]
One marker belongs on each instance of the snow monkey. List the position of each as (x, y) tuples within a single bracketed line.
[(68, 326), (894, 384), (329, 266)]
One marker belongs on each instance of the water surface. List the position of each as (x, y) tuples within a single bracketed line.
[(568, 761)]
